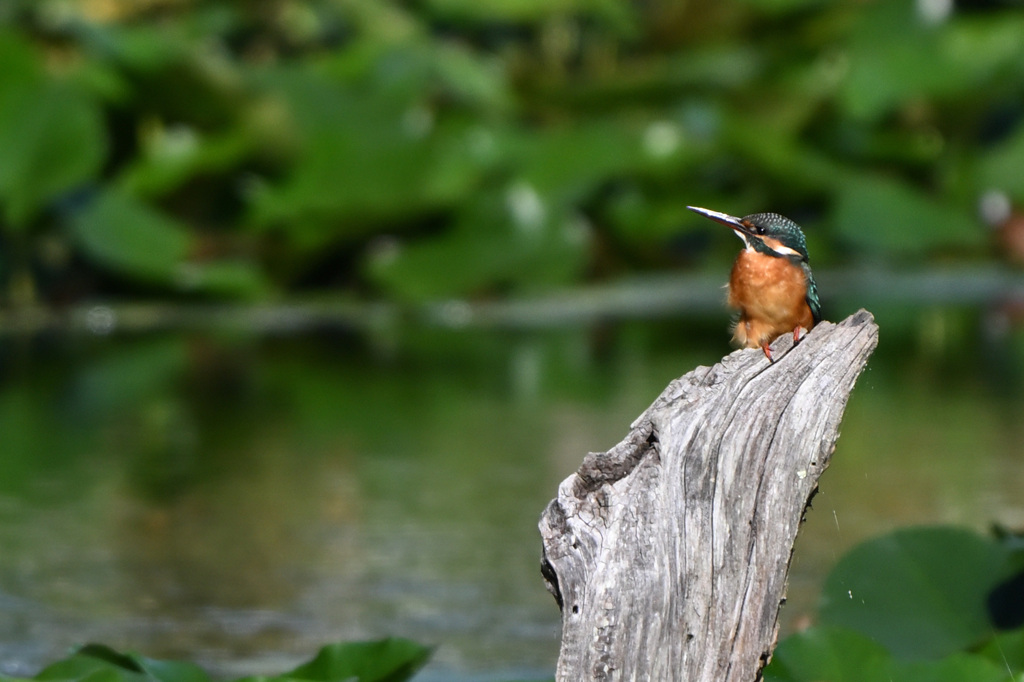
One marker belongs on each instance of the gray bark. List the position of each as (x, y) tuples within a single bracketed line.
[(668, 554)]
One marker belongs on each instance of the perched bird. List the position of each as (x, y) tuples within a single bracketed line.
[(771, 283)]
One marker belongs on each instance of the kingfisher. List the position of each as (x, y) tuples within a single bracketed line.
[(771, 284)]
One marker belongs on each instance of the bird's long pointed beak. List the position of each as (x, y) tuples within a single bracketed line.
[(724, 218), (742, 229)]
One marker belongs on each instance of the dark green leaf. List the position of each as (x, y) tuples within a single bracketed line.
[(177, 157), (885, 215), (769, 142), (896, 55), (531, 11), (840, 655), (954, 668), (919, 592), (364, 157), (23, 65), (142, 47), (232, 278), (95, 663), (516, 240), (783, 6), (170, 671), (105, 654), (51, 135), (471, 76), (1002, 168), (125, 235), (92, 659), (386, 660), (566, 164), (1006, 651), (828, 653), (100, 663)]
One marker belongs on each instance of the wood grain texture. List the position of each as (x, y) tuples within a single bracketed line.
[(668, 554)]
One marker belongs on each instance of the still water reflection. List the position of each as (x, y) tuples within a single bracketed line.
[(241, 501)]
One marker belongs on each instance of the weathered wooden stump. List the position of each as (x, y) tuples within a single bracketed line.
[(668, 554)]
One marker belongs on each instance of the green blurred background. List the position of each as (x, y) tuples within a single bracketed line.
[(308, 306)]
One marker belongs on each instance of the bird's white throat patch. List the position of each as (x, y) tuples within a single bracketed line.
[(779, 248)]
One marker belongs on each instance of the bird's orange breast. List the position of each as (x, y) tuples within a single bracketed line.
[(771, 296)]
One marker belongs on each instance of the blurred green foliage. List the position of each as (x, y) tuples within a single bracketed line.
[(386, 660), (432, 148), (915, 604)]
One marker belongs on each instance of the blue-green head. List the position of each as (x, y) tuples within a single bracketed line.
[(768, 233)]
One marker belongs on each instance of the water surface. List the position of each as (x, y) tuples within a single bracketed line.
[(241, 500)]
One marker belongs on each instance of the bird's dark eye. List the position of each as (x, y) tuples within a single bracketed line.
[(759, 229)]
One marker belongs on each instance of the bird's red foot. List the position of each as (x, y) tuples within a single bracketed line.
[(798, 334), (767, 351)]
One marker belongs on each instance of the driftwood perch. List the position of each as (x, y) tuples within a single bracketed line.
[(668, 554)]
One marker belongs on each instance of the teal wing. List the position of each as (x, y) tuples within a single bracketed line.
[(812, 294)]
